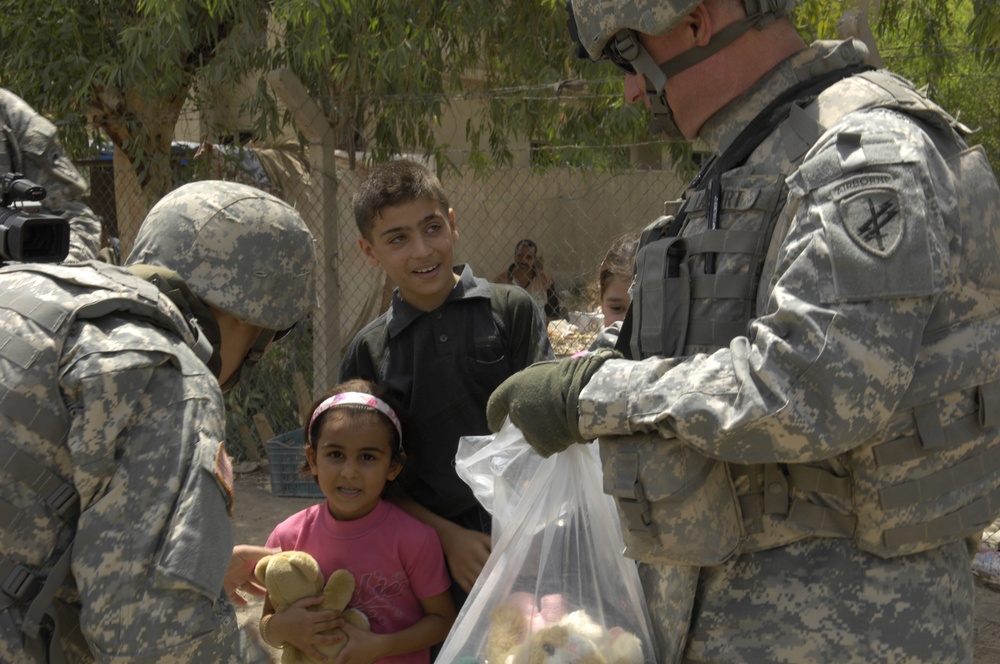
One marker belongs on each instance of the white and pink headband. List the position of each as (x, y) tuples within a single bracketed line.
[(359, 399)]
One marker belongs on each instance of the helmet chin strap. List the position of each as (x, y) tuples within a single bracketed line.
[(719, 41), (656, 75), (253, 356), (656, 80), (208, 339)]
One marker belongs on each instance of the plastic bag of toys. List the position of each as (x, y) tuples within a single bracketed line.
[(556, 587)]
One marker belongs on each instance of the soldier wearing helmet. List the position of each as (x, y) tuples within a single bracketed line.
[(117, 493), (29, 145), (799, 423)]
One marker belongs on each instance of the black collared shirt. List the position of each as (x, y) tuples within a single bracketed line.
[(443, 365)]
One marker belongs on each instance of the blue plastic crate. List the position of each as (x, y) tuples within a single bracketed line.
[(285, 454)]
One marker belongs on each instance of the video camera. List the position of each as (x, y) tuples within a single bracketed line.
[(26, 236)]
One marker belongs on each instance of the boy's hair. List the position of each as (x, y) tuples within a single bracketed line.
[(394, 183), (357, 413)]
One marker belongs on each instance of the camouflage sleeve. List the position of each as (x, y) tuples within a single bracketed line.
[(43, 161), (829, 361), (154, 538)]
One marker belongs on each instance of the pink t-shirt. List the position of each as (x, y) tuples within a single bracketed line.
[(396, 560)]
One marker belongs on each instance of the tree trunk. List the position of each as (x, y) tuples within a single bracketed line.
[(142, 131)]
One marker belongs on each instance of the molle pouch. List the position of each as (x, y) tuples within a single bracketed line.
[(676, 506), (660, 299)]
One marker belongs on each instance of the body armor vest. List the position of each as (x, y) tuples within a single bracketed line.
[(933, 474), (38, 503)]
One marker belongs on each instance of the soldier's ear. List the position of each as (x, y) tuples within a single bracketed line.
[(699, 26)]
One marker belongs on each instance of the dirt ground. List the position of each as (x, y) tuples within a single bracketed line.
[(257, 512)]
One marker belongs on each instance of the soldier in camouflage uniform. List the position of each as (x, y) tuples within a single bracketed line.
[(30, 146), (801, 426), (117, 492)]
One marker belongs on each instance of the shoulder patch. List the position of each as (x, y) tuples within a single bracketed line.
[(884, 239), (873, 221)]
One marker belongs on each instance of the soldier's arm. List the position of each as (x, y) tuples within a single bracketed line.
[(829, 361), (153, 542)]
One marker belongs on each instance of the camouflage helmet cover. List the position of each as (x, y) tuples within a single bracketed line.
[(238, 248), (597, 21)]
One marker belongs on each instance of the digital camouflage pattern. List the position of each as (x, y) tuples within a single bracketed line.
[(597, 21), (861, 398), (30, 145), (100, 389), (828, 603), (239, 249), (120, 407)]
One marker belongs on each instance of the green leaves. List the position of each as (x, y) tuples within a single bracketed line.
[(385, 72), (950, 46)]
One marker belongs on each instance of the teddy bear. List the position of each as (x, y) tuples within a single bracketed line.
[(521, 633), (289, 576)]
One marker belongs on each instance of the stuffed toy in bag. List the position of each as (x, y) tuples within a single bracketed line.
[(521, 634), (291, 575)]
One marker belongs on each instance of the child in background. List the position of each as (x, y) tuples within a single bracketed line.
[(614, 279), (354, 447), (447, 341)]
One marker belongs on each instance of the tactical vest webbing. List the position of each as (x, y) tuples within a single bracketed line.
[(665, 296), (934, 474), (36, 488)]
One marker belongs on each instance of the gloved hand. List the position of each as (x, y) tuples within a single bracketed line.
[(542, 400)]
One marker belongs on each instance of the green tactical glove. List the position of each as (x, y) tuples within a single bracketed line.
[(542, 400)]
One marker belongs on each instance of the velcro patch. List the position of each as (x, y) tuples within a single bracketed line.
[(873, 220), (882, 241)]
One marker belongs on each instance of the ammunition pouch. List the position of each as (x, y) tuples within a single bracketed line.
[(676, 506), (661, 297)]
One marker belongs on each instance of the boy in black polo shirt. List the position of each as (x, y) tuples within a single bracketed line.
[(447, 341)]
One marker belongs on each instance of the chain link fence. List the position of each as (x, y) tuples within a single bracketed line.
[(572, 215)]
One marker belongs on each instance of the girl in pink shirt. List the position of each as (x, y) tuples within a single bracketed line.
[(353, 449)]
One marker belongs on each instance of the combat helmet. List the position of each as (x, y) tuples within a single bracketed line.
[(238, 249), (606, 30), (235, 248)]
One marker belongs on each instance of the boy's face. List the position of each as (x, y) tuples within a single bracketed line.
[(414, 243)]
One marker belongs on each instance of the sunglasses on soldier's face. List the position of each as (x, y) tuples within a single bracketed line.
[(622, 49)]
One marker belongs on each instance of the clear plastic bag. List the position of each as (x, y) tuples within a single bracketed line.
[(498, 468), (556, 584)]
